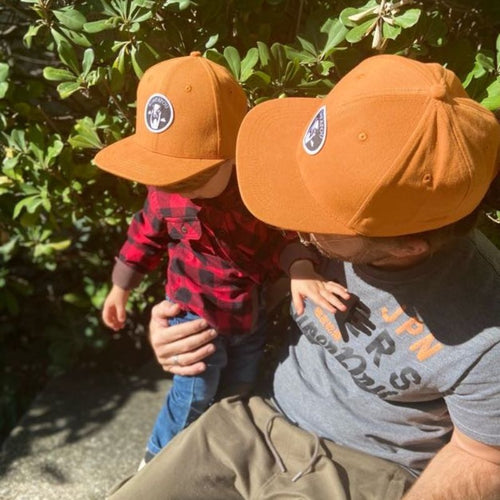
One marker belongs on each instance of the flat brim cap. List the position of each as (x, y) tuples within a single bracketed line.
[(397, 147), (268, 173), (189, 110), (129, 159)]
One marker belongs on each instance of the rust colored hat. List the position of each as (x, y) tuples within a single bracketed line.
[(189, 110), (397, 147)]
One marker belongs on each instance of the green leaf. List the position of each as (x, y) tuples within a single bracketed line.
[(492, 101), (336, 32), (350, 17), (58, 37), (57, 74), (233, 60), (213, 39), (30, 203), (31, 33), (248, 63), (18, 138), (142, 57), (408, 19), (360, 31), (101, 25), (258, 79), (325, 67), (391, 32), (65, 89), (291, 73), (77, 38), (215, 56), (88, 60), (77, 300), (485, 61), (68, 56), (346, 14), (71, 18), (60, 245), (54, 149), (119, 62), (9, 247), (4, 71), (4, 86), (307, 46), (134, 28), (143, 17), (301, 56), (86, 135), (264, 54)]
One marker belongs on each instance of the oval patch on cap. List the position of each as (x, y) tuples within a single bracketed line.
[(158, 114), (315, 135)]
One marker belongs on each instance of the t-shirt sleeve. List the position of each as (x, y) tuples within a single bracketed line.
[(474, 403)]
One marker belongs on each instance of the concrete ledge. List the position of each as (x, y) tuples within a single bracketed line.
[(83, 433)]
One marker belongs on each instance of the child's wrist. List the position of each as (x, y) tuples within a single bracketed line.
[(301, 266)]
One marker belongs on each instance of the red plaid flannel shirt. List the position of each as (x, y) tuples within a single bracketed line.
[(217, 253)]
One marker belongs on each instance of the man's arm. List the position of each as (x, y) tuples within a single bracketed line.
[(464, 469), (180, 348)]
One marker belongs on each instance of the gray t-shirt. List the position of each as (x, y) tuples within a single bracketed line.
[(424, 357)]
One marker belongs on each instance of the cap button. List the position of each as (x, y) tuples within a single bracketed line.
[(195, 53), (438, 91)]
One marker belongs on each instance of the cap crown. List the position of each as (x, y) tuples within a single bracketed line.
[(206, 108), (406, 150)]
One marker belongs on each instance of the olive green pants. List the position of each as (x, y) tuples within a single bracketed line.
[(245, 449)]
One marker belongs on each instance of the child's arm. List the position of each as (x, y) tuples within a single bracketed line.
[(146, 244), (307, 283), (114, 311)]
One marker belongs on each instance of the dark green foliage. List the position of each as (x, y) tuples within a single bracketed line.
[(68, 76)]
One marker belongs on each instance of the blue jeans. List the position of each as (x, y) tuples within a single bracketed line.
[(235, 361)]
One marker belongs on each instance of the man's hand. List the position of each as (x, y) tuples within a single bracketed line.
[(181, 348)]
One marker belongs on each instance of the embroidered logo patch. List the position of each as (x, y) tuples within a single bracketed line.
[(158, 114), (315, 135)]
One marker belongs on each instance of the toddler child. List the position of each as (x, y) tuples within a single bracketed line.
[(188, 113)]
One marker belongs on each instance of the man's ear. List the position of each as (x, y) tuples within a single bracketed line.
[(410, 247)]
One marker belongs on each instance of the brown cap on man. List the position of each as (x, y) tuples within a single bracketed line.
[(397, 147)]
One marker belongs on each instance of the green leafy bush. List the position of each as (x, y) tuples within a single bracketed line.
[(68, 76)]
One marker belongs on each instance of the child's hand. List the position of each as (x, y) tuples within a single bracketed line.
[(306, 283), (113, 312)]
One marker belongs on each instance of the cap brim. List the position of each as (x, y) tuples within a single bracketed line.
[(269, 177), (128, 159)]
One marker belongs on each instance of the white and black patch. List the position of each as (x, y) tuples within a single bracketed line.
[(315, 135), (158, 114)]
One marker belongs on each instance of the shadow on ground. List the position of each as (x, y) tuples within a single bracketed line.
[(82, 434)]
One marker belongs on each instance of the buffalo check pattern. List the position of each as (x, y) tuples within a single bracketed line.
[(216, 251)]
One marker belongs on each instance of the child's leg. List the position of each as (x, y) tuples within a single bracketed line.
[(188, 397), (244, 353)]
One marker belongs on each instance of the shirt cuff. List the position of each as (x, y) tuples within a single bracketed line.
[(297, 251), (124, 276)]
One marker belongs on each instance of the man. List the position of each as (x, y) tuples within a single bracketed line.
[(404, 388)]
